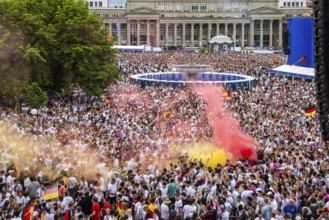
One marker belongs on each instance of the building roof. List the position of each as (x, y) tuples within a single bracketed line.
[(221, 39)]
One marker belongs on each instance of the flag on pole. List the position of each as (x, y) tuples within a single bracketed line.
[(51, 192), (303, 60), (27, 211)]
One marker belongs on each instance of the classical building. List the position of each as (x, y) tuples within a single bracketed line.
[(192, 23), (296, 8)]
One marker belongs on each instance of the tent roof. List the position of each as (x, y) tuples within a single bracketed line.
[(295, 71), (221, 39)]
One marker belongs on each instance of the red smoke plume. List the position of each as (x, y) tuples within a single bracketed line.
[(227, 130)]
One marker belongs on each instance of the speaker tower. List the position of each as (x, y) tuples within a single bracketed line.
[(321, 34)]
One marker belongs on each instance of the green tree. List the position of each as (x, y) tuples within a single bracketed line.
[(62, 43), (34, 96)]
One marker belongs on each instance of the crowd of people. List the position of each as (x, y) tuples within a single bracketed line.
[(114, 156)]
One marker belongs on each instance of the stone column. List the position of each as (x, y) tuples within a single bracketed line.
[(280, 33), (166, 34), (261, 34), (234, 34), (209, 33), (175, 35), (157, 32), (200, 35), (217, 29), (252, 33), (119, 33), (128, 33), (242, 35), (271, 33), (226, 30), (138, 33), (148, 30), (110, 29), (183, 34), (192, 35)]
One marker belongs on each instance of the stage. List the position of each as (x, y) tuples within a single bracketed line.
[(295, 71)]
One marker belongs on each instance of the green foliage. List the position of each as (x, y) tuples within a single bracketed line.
[(34, 95), (10, 87), (57, 43)]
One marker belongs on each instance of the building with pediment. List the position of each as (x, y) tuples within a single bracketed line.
[(192, 23)]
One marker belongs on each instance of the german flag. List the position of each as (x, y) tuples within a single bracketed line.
[(27, 211), (310, 111), (107, 99), (166, 114), (51, 192), (226, 95)]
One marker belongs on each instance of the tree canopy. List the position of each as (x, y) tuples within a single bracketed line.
[(55, 43)]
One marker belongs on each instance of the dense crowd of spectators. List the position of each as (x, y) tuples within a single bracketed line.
[(113, 156)]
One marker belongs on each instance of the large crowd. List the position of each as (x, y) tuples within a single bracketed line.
[(114, 156)]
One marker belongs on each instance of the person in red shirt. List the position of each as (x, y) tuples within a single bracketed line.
[(96, 210), (106, 205)]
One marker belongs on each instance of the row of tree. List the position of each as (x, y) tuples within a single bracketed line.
[(52, 45)]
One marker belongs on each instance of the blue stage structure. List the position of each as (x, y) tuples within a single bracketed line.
[(300, 62), (301, 42)]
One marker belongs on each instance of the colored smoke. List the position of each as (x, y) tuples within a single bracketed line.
[(227, 130)]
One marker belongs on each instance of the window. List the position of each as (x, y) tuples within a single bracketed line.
[(288, 4), (195, 8), (161, 8), (297, 4), (220, 9), (95, 4), (211, 8), (178, 8), (186, 8), (293, 4), (285, 4), (100, 4), (302, 4), (203, 8), (91, 4), (170, 8)]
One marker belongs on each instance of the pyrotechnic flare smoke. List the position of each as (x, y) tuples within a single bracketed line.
[(227, 131)]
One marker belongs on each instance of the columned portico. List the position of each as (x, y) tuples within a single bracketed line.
[(261, 27)]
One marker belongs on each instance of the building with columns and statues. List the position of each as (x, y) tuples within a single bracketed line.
[(192, 23)]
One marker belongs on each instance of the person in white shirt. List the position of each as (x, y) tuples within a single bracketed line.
[(188, 210), (260, 216), (112, 190), (164, 209), (225, 214), (178, 204)]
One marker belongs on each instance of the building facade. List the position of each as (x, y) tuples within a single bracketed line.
[(187, 23), (296, 8)]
